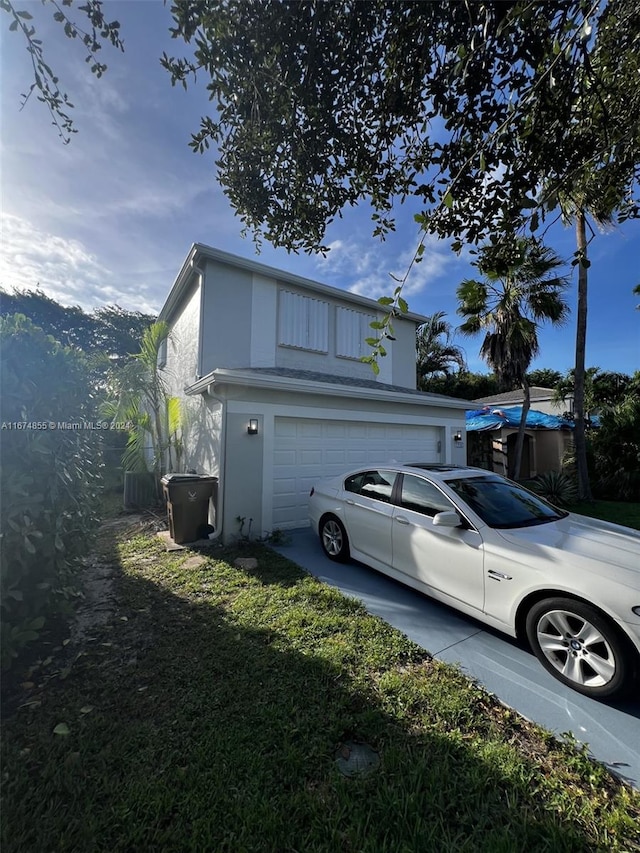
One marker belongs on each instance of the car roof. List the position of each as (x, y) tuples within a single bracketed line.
[(437, 470), (444, 470)]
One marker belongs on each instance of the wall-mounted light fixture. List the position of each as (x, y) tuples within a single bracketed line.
[(252, 429), (457, 436)]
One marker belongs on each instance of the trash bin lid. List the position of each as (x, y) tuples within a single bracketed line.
[(168, 478), (185, 478)]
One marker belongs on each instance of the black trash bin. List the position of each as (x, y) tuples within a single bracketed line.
[(187, 497)]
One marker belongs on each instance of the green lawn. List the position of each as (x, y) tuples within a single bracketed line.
[(208, 713), (618, 512)]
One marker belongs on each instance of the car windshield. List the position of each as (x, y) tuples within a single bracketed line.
[(503, 504)]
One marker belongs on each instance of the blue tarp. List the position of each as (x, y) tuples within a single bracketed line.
[(498, 417)]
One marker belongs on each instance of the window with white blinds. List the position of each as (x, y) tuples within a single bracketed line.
[(304, 322), (352, 327)]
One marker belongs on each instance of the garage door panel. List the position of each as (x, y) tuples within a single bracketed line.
[(284, 457), (283, 486), (357, 431), (310, 430), (285, 428), (336, 430), (306, 450), (310, 457)]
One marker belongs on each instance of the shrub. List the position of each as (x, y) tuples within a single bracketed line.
[(49, 479), (616, 447), (558, 488)]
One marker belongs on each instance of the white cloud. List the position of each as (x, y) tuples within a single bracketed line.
[(61, 267), (386, 272), (348, 256)]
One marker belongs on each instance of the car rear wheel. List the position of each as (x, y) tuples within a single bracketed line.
[(579, 646), (333, 537)]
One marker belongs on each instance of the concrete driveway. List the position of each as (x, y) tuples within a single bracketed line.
[(513, 674)]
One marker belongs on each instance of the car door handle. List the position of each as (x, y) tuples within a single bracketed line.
[(402, 520), (351, 503), (499, 575)]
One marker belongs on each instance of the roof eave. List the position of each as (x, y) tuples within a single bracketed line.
[(200, 251), (308, 386)]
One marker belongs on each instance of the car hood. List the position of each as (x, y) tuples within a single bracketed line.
[(594, 544)]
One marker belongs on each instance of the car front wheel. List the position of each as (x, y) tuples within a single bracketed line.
[(333, 537), (578, 645)]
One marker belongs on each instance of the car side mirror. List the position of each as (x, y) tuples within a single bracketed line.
[(448, 518)]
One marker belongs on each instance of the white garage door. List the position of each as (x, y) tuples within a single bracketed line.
[(307, 450)]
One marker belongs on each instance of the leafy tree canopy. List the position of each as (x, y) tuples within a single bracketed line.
[(465, 106), (465, 385), (603, 388), (545, 377), (109, 330)]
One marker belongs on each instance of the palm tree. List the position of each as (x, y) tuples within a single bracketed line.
[(139, 395), (518, 292), (435, 352)]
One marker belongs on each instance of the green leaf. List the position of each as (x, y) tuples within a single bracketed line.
[(448, 200), (402, 305), (62, 729)]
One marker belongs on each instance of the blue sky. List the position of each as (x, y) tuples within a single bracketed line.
[(110, 217)]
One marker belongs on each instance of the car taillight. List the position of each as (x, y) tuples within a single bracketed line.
[(311, 492)]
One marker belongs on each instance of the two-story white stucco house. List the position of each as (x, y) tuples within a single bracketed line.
[(274, 393)]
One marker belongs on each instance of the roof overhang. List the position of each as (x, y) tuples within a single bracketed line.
[(200, 253), (221, 377)]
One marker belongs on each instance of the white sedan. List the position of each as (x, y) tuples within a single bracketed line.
[(498, 552)]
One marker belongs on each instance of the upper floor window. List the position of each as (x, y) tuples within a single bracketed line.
[(304, 322), (352, 327)]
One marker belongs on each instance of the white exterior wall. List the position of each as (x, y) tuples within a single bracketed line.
[(181, 368), (241, 328), (264, 322), (226, 320), (201, 417)]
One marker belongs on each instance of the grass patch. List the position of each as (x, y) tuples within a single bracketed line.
[(618, 512), (206, 716)]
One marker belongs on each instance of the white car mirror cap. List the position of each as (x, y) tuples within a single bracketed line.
[(448, 518)]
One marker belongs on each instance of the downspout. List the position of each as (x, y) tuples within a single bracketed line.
[(221, 463), (200, 273)]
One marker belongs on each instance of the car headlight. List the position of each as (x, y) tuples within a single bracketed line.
[(636, 610)]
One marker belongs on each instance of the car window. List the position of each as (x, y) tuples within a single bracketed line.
[(503, 504), (422, 496), (372, 484)]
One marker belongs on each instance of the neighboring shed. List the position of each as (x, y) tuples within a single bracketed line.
[(541, 399), (492, 434)]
